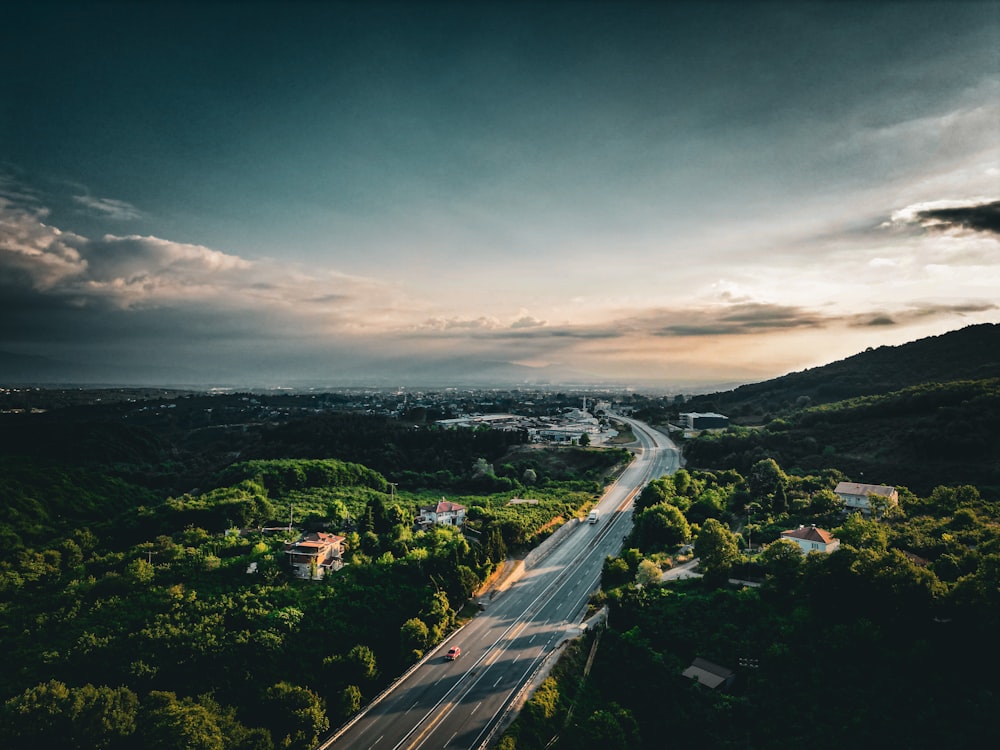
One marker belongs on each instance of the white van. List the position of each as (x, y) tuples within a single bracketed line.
[(592, 518)]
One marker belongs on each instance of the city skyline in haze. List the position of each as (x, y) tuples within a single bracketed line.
[(425, 193)]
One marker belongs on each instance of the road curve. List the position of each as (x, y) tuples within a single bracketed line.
[(459, 704)]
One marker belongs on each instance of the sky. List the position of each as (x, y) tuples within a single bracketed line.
[(671, 194)]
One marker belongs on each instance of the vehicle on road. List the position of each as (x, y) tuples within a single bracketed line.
[(453, 653), (592, 518)]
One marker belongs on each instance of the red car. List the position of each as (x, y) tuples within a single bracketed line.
[(453, 653)]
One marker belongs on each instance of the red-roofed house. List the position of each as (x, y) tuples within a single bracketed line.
[(315, 554), (445, 513), (809, 538)]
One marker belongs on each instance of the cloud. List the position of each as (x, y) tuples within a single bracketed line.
[(58, 286), (977, 215), (980, 218), (738, 319), (527, 321), (912, 313), (481, 323), (108, 208), (34, 253)]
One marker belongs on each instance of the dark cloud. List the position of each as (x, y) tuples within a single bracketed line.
[(983, 217), (917, 312), (739, 319)]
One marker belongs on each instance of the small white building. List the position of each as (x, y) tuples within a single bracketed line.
[(857, 496), (445, 513), (812, 539)]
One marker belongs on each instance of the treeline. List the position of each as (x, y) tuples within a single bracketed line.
[(871, 644), (915, 436), (172, 447)]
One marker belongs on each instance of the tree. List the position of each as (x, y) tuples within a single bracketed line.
[(52, 714), (825, 501), (658, 491), (361, 664), (613, 728), (494, 547), (661, 526), (682, 481), (648, 573), (863, 533), (350, 701), (438, 615), (615, 573), (716, 547), (779, 501), (782, 560), (765, 478), (414, 637), (297, 715), (167, 723), (584, 439)]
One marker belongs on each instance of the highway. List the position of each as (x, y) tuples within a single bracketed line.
[(459, 704)]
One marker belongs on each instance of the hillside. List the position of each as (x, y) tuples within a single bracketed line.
[(917, 415), (971, 353)]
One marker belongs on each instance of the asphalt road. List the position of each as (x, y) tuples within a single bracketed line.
[(458, 704)]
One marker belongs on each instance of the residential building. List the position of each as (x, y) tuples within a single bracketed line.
[(445, 513), (315, 554), (857, 496), (810, 539)]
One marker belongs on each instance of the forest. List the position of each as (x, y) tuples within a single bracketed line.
[(887, 641), (135, 615)]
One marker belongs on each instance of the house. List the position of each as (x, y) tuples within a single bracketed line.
[(315, 554), (445, 513), (857, 496), (708, 674), (810, 539)]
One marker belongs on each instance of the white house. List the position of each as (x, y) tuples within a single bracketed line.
[(809, 538), (315, 554), (445, 513), (856, 495)]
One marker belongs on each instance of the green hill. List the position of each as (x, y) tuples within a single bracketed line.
[(971, 353), (920, 415)]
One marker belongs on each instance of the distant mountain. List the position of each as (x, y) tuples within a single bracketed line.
[(971, 353)]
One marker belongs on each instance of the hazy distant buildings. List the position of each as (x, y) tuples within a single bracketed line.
[(569, 427)]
